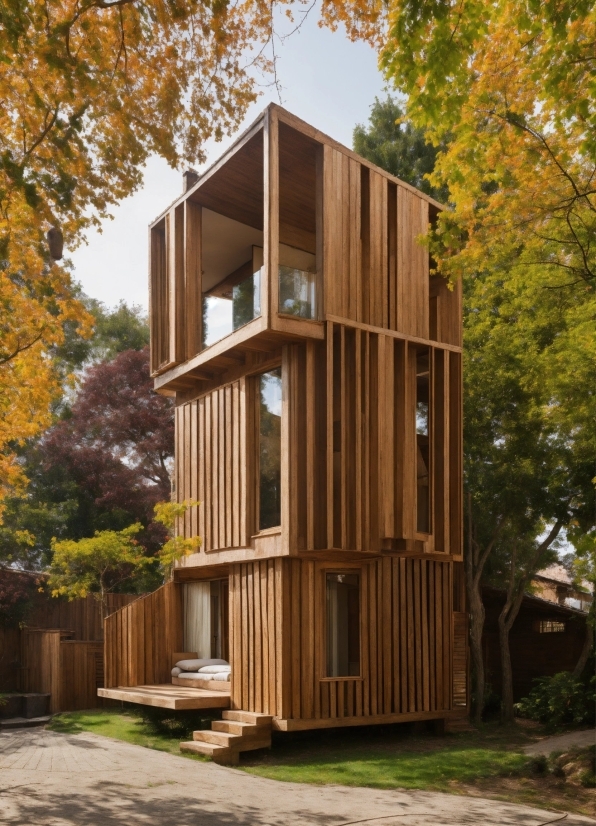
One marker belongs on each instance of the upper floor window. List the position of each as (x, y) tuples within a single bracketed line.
[(423, 441), (232, 261), (297, 282), (270, 449)]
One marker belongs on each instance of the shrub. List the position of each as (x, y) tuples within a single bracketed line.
[(561, 700)]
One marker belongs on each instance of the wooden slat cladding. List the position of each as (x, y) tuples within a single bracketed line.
[(406, 644), (412, 299), (460, 659), (212, 466), (140, 639), (445, 311), (166, 291), (376, 271), (371, 446), (256, 630)]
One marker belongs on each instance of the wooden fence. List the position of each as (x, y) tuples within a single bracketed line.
[(70, 671), (80, 616), (141, 637)]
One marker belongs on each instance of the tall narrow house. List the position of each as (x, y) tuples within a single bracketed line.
[(316, 367)]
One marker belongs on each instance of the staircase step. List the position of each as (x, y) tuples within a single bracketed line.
[(248, 717), (218, 738), (219, 754), (234, 727), (261, 740)]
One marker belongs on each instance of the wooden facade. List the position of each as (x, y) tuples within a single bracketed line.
[(343, 306)]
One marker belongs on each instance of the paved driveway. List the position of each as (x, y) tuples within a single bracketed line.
[(51, 779)]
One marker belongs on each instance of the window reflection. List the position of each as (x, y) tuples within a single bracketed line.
[(343, 625), (270, 449), (423, 440), (297, 282)]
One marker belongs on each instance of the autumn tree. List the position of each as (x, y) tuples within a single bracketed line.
[(102, 466), (527, 446), (89, 90)]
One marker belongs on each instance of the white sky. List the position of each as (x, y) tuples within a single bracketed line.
[(326, 80)]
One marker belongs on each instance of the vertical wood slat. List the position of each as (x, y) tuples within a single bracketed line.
[(211, 466), (141, 637), (412, 265)]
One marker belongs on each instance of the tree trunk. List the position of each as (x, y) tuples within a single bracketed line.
[(506, 671), (477, 615), (586, 650)]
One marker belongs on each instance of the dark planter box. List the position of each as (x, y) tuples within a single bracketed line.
[(35, 705), (13, 707)]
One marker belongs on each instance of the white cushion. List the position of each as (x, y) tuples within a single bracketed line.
[(222, 676), (176, 671), (214, 669), (194, 665)]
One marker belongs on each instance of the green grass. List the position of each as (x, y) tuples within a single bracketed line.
[(392, 757), (128, 726), (401, 770)]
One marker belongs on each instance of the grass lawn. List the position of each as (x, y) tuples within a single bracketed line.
[(122, 725), (486, 763)]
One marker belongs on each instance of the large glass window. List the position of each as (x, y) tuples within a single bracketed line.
[(423, 440), (297, 282), (343, 625), (232, 261), (270, 449)]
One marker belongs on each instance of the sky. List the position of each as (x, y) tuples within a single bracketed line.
[(325, 79)]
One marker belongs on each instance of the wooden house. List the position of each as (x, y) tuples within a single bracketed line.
[(316, 369)]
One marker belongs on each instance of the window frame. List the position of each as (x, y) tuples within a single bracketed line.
[(345, 568)]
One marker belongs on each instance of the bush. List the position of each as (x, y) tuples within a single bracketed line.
[(561, 700)]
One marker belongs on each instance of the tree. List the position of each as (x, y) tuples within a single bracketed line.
[(101, 564), (529, 434), (511, 84), (102, 466), (397, 146), (169, 515), (89, 90), (96, 565), (527, 472)]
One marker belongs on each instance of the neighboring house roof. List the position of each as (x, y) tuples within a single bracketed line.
[(531, 599), (558, 573)]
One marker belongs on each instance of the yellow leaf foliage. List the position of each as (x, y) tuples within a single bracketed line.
[(89, 90)]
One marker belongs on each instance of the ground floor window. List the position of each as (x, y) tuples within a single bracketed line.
[(343, 625)]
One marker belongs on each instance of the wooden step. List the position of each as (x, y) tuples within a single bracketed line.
[(234, 727), (248, 717), (219, 754), (218, 738), (262, 740)]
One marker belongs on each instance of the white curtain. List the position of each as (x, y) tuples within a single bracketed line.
[(197, 618)]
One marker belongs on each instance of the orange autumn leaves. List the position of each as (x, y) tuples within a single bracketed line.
[(89, 90)]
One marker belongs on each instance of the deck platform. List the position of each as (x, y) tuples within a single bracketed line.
[(175, 697)]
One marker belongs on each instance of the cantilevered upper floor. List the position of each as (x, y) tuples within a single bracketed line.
[(287, 231)]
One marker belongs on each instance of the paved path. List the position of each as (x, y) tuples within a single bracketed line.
[(51, 779), (562, 742)]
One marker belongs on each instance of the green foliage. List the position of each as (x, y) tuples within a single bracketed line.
[(168, 514), (559, 701), (96, 565), (393, 143)]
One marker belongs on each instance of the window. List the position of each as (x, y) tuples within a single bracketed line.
[(270, 449), (343, 625), (297, 282), (423, 441), (234, 299), (551, 627)]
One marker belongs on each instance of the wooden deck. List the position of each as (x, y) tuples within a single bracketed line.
[(168, 696)]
